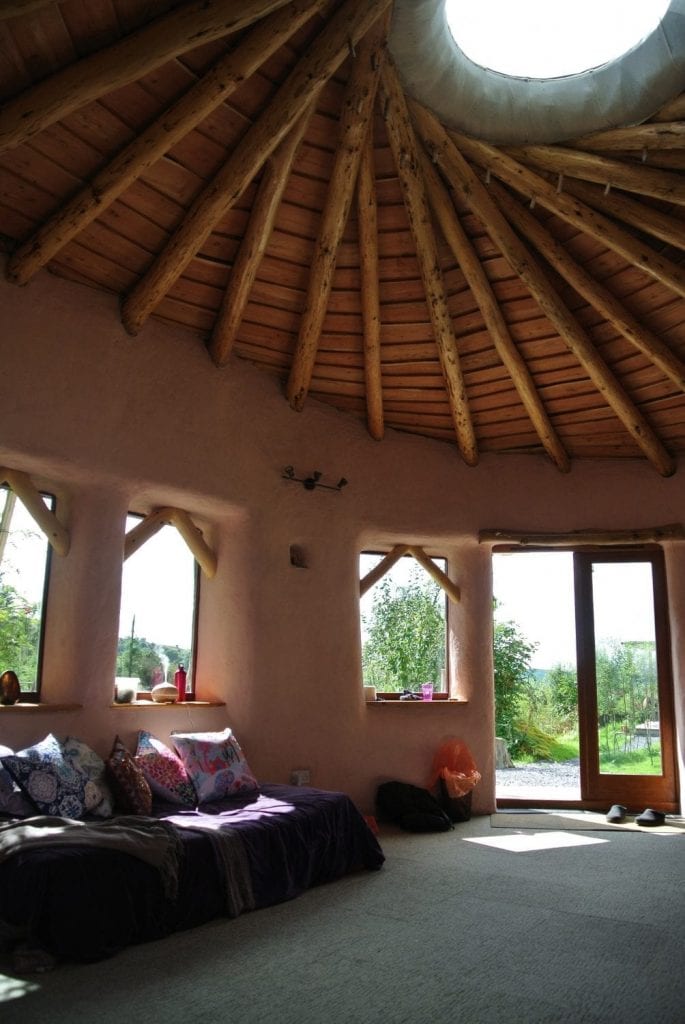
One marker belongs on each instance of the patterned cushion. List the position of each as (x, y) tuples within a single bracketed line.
[(12, 800), (48, 779), (133, 794), (164, 771), (99, 799), (215, 763)]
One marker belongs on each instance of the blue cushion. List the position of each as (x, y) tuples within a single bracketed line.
[(49, 779)]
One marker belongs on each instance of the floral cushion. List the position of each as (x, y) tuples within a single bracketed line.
[(164, 771), (215, 763), (131, 789), (99, 800), (49, 779), (12, 800)]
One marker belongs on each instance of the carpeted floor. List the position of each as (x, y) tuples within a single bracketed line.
[(588, 930), (577, 821)]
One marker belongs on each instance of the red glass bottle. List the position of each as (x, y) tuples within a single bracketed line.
[(180, 681)]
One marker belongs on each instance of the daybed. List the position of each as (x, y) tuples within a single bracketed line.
[(82, 889)]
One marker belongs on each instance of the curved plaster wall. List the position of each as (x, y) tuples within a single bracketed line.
[(110, 422)]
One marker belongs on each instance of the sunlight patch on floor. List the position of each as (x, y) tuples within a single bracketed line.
[(15, 988), (527, 843)]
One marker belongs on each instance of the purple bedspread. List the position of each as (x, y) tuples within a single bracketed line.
[(85, 903)]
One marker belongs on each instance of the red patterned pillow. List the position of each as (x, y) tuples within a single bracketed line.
[(131, 790), (164, 770)]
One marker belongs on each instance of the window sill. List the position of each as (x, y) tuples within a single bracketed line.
[(392, 701), (25, 707), (168, 704)]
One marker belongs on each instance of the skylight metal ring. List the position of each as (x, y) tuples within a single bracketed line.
[(508, 110)]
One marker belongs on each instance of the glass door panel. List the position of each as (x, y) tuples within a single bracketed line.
[(628, 727)]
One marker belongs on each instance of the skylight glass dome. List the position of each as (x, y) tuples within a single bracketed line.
[(527, 102), (539, 39)]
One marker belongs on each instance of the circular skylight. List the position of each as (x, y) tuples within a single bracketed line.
[(545, 39), (482, 93)]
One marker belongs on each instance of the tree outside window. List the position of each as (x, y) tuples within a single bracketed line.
[(24, 566), (404, 627)]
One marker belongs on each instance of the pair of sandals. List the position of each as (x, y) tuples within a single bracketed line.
[(648, 819)]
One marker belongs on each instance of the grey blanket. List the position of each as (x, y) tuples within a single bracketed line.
[(148, 839)]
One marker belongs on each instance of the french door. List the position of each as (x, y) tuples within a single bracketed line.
[(625, 692)]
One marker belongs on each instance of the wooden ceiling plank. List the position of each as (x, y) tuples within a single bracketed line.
[(253, 244), (537, 188), (355, 118), (156, 140), (464, 180), (640, 178), (405, 151), (184, 28), (595, 292), (470, 264), (367, 220), (345, 28), (655, 222)]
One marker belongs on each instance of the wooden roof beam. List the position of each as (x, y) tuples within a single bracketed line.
[(537, 188), (404, 147), (355, 118), (465, 181), (184, 28), (660, 135), (22, 485), (476, 277), (158, 138), (367, 220), (633, 177), (304, 83), (596, 293), (253, 244), (645, 218)]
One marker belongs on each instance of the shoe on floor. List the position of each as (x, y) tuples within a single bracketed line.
[(616, 814), (650, 818)]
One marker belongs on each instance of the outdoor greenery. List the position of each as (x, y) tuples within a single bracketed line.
[(19, 635), (151, 663), (536, 711), (405, 644)]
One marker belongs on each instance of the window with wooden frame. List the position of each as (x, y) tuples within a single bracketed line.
[(404, 611), (24, 574), (160, 589)]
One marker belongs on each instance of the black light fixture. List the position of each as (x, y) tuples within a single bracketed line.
[(311, 482)]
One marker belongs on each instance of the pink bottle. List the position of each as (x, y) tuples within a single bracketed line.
[(180, 682)]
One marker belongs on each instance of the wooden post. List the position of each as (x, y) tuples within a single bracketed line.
[(57, 535), (367, 220)]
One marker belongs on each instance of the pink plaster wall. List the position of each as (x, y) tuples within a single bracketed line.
[(110, 422)]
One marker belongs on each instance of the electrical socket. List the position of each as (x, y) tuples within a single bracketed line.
[(300, 777)]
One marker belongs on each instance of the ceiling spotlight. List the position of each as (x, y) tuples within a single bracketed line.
[(313, 480)]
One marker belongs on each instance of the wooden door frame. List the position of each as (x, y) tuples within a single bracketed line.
[(637, 791)]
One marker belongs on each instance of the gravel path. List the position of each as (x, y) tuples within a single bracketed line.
[(542, 773)]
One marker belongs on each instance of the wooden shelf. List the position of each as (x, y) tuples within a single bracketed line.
[(26, 708), (138, 704)]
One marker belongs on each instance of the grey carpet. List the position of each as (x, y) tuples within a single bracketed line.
[(448, 931), (577, 821)]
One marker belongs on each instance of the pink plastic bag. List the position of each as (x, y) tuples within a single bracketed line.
[(453, 763)]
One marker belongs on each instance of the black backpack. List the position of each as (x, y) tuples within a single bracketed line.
[(410, 807)]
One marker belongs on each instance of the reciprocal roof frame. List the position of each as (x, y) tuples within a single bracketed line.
[(267, 175)]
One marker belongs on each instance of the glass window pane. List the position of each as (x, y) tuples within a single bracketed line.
[(157, 617), (404, 627), (628, 726), (24, 564)]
